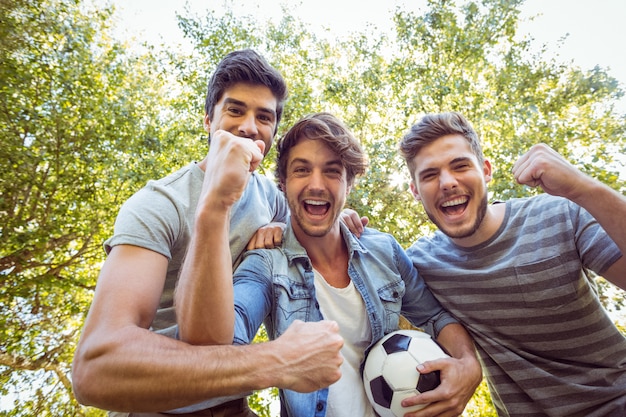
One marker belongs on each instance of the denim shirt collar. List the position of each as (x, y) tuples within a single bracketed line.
[(293, 249)]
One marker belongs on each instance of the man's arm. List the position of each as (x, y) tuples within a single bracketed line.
[(120, 365), (544, 167), (204, 292)]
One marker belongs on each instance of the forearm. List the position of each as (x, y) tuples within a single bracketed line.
[(455, 339), (204, 293), (156, 373), (137, 370)]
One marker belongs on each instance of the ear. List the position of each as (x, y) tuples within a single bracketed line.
[(414, 191), (487, 170), (207, 123)]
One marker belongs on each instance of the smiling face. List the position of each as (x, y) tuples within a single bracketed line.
[(451, 184), (316, 188), (245, 110)]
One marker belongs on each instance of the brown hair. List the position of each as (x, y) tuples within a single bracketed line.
[(433, 126), (334, 133)]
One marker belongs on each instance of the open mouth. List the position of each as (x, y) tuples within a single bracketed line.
[(455, 206), (316, 207)]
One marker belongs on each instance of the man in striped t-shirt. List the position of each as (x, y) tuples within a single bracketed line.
[(517, 274)]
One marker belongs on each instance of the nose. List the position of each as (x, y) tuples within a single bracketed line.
[(247, 127), (447, 180), (316, 180)]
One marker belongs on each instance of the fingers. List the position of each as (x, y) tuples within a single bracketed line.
[(451, 396), (543, 166), (267, 237), (257, 157), (227, 167), (312, 355), (352, 220), (365, 221), (528, 169), (230, 150)]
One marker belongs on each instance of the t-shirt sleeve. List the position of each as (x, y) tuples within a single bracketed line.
[(597, 250), (149, 220)]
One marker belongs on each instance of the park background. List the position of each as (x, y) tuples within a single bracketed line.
[(98, 97)]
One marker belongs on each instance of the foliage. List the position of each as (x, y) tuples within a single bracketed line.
[(86, 121), (480, 405), (80, 121)]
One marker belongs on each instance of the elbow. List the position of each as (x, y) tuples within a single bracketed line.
[(91, 383), (83, 382)]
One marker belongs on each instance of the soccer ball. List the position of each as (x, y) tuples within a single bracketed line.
[(390, 373)]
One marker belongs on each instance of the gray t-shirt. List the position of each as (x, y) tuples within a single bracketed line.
[(547, 346), (160, 217)]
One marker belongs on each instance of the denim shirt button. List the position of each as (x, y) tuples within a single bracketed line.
[(320, 406)]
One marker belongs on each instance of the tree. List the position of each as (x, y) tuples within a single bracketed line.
[(79, 118)]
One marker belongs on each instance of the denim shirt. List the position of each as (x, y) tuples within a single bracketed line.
[(276, 286)]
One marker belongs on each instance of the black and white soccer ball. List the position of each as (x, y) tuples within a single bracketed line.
[(390, 373)]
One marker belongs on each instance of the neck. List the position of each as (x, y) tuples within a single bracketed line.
[(329, 255), (488, 227)]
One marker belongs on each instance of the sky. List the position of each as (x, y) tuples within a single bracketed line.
[(595, 29)]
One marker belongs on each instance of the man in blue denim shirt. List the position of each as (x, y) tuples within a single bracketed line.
[(323, 272)]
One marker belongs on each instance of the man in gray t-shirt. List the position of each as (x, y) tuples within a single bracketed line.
[(516, 274), (180, 227)]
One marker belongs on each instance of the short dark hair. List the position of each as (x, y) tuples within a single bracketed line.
[(333, 132), (432, 127), (245, 66)]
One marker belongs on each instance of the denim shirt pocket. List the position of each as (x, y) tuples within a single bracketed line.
[(293, 302), (391, 297)]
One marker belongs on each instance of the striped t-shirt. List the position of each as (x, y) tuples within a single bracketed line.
[(547, 346)]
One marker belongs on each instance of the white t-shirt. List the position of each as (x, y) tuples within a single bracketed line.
[(346, 397)]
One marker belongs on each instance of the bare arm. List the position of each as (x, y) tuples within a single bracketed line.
[(120, 365), (204, 293), (460, 376), (542, 166)]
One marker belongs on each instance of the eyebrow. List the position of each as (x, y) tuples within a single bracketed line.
[(306, 161), (452, 162), (230, 100)]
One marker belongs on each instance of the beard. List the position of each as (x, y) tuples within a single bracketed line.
[(462, 232), (319, 230)]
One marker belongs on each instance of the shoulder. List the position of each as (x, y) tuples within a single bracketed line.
[(261, 181), (263, 262), (430, 244), (374, 236), (543, 207), (380, 244), (183, 183)]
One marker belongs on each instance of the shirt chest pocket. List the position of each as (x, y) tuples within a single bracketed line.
[(549, 283), (293, 302), (391, 298)]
